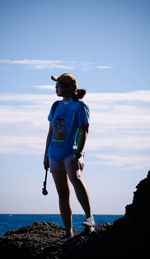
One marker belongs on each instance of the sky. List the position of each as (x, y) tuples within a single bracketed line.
[(105, 44)]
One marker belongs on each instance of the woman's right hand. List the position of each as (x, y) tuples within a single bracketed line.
[(46, 162)]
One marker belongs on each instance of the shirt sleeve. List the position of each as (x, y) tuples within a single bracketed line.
[(50, 116), (83, 115)]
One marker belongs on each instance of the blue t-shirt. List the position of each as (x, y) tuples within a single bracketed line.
[(68, 118)]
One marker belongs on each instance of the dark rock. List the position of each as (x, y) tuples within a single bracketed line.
[(31, 241), (128, 236)]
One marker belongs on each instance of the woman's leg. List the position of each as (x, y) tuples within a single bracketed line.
[(74, 174), (62, 186)]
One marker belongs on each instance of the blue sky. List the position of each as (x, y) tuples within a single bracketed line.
[(105, 44)]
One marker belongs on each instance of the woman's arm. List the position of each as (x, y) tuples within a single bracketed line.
[(82, 140), (46, 159)]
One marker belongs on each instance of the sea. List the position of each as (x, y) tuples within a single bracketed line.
[(13, 221)]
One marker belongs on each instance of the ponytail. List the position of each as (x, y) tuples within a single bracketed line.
[(79, 94)]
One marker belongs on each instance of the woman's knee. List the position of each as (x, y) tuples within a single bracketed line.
[(75, 177)]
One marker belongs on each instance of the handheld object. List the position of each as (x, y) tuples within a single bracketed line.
[(44, 191)]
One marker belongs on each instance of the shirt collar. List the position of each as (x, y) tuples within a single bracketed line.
[(68, 101)]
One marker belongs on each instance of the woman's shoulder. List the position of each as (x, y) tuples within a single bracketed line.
[(80, 104), (56, 103)]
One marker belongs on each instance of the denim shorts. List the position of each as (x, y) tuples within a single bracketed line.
[(65, 164)]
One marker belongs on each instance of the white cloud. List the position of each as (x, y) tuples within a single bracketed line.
[(109, 98), (103, 67), (40, 64), (22, 144), (119, 127), (125, 143), (127, 161), (32, 98), (47, 87), (54, 64)]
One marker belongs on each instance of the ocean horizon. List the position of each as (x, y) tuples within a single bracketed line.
[(9, 222)]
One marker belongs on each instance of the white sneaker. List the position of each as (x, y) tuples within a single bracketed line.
[(89, 222)]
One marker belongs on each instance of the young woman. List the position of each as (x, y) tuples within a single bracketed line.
[(68, 130)]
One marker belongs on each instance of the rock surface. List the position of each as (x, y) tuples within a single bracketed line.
[(128, 236)]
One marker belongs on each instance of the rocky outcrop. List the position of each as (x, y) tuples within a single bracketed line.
[(128, 236), (31, 241)]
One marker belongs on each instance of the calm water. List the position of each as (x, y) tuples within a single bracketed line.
[(13, 221)]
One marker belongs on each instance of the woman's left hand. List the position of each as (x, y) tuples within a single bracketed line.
[(78, 162)]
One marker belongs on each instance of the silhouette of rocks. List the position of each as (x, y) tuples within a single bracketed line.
[(128, 236), (31, 241)]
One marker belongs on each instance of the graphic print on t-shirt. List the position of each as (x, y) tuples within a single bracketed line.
[(59, 130)]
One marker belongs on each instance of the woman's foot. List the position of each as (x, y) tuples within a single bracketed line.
[(67, 236), (89, 222)]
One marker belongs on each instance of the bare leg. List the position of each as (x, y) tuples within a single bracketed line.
[(79, 187), (82, 196), (62, 186)]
